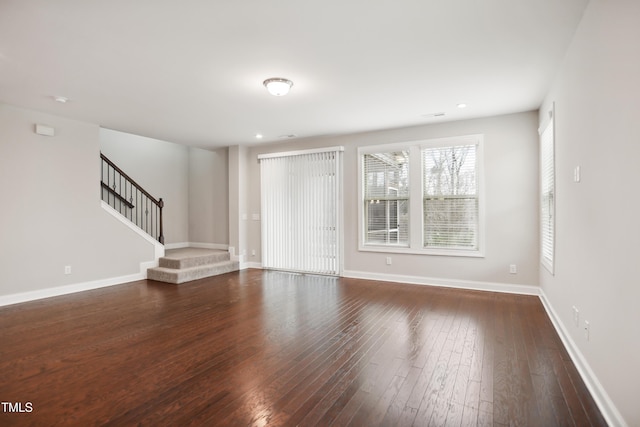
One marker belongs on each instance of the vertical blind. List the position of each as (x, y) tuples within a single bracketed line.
[(300, 211), (547, 201)]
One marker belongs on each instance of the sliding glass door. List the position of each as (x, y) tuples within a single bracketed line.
[(301, 205)]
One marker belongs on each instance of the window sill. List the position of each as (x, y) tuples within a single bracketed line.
[(432, 252)]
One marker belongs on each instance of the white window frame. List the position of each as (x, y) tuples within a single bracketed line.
[(416, 219), (548, 178), (364, 199)]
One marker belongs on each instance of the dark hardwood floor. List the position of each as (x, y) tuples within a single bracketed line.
[(271, 348)]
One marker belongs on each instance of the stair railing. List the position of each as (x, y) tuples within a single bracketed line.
[(126, 196)]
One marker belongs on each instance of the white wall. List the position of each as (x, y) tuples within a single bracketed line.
[(51, 215), (161, 168), (597, 268), (194, 184), (208, 196), (238, 201), (511, 202)]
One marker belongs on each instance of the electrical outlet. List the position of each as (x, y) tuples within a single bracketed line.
[(253, 252), (513, 269), (388, 260), (587, 330), (67, 269)]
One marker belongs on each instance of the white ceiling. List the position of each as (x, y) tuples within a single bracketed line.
[(191, 71)]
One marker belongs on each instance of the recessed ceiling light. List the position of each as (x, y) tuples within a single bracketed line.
[(258, 136), (462, 105), (277, 86), (61, 99)]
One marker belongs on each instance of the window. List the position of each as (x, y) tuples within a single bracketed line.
[(386, 198), (450, 197), (422, 197), (547, 195)]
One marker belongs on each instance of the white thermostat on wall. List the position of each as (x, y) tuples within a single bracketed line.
[(45, 130)]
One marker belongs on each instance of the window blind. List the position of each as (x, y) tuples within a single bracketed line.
[(547, 200), (386, 198), (450, 197), (423, 197), (300, 212)]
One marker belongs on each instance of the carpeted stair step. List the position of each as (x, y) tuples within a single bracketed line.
[(177, 276), (187, 264), (187, 258)]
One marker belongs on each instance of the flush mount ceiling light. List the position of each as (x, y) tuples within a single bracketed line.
[(61, 99), (277, 86)]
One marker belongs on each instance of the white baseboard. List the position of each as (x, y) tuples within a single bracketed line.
[(220, 246), (429, 281), (78, 287), (449, 283), (602, 399), (246, 265), (69, 289), (176, 245), (201, 245)]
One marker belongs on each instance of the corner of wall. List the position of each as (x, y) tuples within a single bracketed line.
[(599, 394)]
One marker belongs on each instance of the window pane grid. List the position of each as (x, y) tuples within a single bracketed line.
[(451, 222), (450, 201), (386, 198), (440, 213)]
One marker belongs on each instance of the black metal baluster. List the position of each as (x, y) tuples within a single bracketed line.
[(146, 213), (114, 188), (157, 234), (161, 206), (109, 185), (151, 229), (120, 199), (138, 208), (131, 201), (135, 199)]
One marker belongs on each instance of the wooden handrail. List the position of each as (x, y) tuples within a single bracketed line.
[(131, 180)]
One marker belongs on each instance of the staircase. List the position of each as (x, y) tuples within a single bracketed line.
[(187, 264), (132, 201)]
